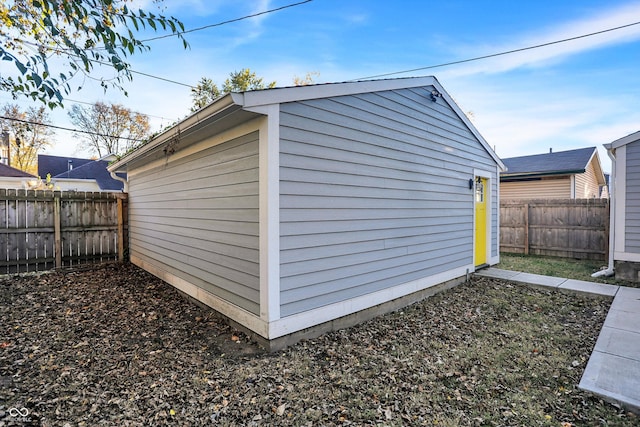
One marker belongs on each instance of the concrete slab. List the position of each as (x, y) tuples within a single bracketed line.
[(614, 378), (589, 287), (619, 342), (625, 320), (496, 273), (630, 293), (537, 279), (629, 300)]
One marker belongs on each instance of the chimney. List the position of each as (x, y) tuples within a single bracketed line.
[(5, 149), (69, 164), (550, 150)]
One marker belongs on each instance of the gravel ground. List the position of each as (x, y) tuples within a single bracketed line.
[(114, 346)]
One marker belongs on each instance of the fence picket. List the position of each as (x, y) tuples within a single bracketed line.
[(40, 230), (572, 228)]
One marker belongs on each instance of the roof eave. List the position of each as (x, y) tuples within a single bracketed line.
[(623, 141), (517, 175), (216, 107)]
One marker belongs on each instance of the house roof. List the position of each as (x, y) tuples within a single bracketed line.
[(558, 163), (55, 165), (234, 108), (623, 141), (95, 169), (8, 171)]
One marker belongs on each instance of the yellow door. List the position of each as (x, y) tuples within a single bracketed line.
[(481, 221)]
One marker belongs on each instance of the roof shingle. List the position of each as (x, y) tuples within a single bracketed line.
[(571, 161)]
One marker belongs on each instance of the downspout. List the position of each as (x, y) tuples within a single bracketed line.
[(612, 215), (125, 188)]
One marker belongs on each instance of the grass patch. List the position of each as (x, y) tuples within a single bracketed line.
[(558, 267)]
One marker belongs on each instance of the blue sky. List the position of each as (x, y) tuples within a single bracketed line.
[(569, 95)]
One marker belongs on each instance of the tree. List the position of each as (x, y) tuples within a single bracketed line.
[(206, 91), (307, 80), (110, 129), (51, 41), (30, 134)]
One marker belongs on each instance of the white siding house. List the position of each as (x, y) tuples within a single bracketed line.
[(287, 209)]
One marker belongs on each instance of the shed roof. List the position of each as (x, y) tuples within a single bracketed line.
[(235, 108), (558, 163), (8, 171), (623, 141)]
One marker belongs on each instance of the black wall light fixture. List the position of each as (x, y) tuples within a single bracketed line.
[(435, 95), (471, 182)]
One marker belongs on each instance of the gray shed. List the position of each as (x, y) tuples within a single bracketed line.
[(287, 209), (624, 188)]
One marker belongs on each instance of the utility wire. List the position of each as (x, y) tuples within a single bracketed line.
[(178, 34), (228, 21), (137, 112), (493, 55), (65, 128)]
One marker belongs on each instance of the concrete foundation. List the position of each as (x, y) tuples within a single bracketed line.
[(627, 270), (280, 343)]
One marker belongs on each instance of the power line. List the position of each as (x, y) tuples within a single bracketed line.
[(277, 9), (68, 129), (138, 112), (175, 35), (493, 55)]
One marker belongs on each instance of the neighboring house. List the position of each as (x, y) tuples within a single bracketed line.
[(572, 174), (604, 190), (55, 165), (287, 209), (70, 173), (624, 239), (12, 178)]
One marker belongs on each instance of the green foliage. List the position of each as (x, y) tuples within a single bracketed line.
[(81, 32), (238, 81)]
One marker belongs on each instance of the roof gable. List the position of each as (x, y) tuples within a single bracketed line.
[(561, 162), (633, 137), (234, 107), (9, 171)]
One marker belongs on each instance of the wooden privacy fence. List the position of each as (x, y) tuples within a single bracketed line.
[(41, 230), (556, 227)]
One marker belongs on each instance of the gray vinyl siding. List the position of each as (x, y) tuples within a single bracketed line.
[(197, 218), (374, 193), (632, 208)]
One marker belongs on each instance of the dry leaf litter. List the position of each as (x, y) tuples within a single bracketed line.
[(115, 346)]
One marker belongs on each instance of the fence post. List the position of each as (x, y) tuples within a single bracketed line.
[(120, 230), (56, 230), (526, 228)]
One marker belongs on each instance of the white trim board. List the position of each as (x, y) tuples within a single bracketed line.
[(298, 322)]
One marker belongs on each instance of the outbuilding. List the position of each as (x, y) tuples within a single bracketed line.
[(297, 210), (624, 235)]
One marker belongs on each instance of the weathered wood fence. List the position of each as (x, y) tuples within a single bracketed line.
[(42, 230), (562, 228)]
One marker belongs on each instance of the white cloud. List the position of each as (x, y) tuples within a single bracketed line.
[(600, 21)]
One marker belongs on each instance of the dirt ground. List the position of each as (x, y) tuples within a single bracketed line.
[(114, 346)]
